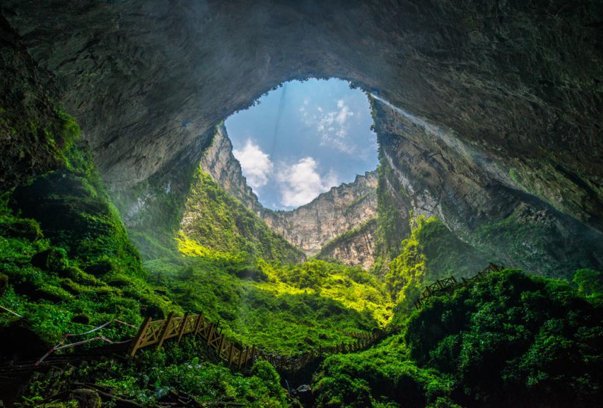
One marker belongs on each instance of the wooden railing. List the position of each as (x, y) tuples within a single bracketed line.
[(156, 332), (448, 285)]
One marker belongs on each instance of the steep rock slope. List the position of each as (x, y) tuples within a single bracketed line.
[(435, 173), (216, 220), (218, 160), (329, 215), (342, 218), (354, 247)]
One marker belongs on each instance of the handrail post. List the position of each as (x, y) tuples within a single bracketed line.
[(212, 329), (253, 354), (164, 330), (198, 324), (242, 356), (230, 354), (221, 344), (141, 332), (182, 327)]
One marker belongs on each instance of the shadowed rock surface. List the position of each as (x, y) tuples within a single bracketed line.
[(513, 88)]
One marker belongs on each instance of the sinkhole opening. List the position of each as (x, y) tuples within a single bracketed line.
[(302, 139)]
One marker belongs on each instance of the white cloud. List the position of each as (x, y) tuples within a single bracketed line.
[(332, 126), (300, 183), (256, 164)]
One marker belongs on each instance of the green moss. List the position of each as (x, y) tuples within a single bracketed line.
[(589, 284), (534, 238), (407, 271), (58, 231), (392, 227)]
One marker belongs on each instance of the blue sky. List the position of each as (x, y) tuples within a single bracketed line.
[(302, 139)]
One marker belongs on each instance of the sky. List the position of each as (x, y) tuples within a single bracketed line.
[(302, 139)]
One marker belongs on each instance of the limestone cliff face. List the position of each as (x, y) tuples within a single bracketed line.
[(326, 220), (340, 210), (434, 173), (218, 160), (356, 247)]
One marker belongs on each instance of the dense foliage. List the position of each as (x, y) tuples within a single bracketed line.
[(67, 265), (288, 309), (154, 375), (66, 254), (219, 221), (512, 338), (430, 252), (508, 340), (407, 271)]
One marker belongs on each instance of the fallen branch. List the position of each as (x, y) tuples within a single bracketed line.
[(10, 311), (61, 344)]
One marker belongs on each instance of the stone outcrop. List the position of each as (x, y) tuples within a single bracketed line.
[(218, 160), (515, 85), (356, 247)]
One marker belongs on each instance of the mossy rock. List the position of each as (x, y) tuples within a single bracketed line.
[(75, 213), (119, 282), (70, 286), (100, 268), (52, 259), (79, 276), (24, 228), (81, 318), (149, 309)]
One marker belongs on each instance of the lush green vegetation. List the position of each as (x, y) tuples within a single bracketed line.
[(445, 254), (392, 226), (152, 377), (220, 222), (508, 340), (430, 252), (589, 284), (288, 309), (407, 271), (67, 265), (534, 236), (66, 254)]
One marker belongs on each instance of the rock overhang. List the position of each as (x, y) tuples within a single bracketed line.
[(133, 72)]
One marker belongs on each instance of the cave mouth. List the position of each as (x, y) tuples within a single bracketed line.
[(303, 138)]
